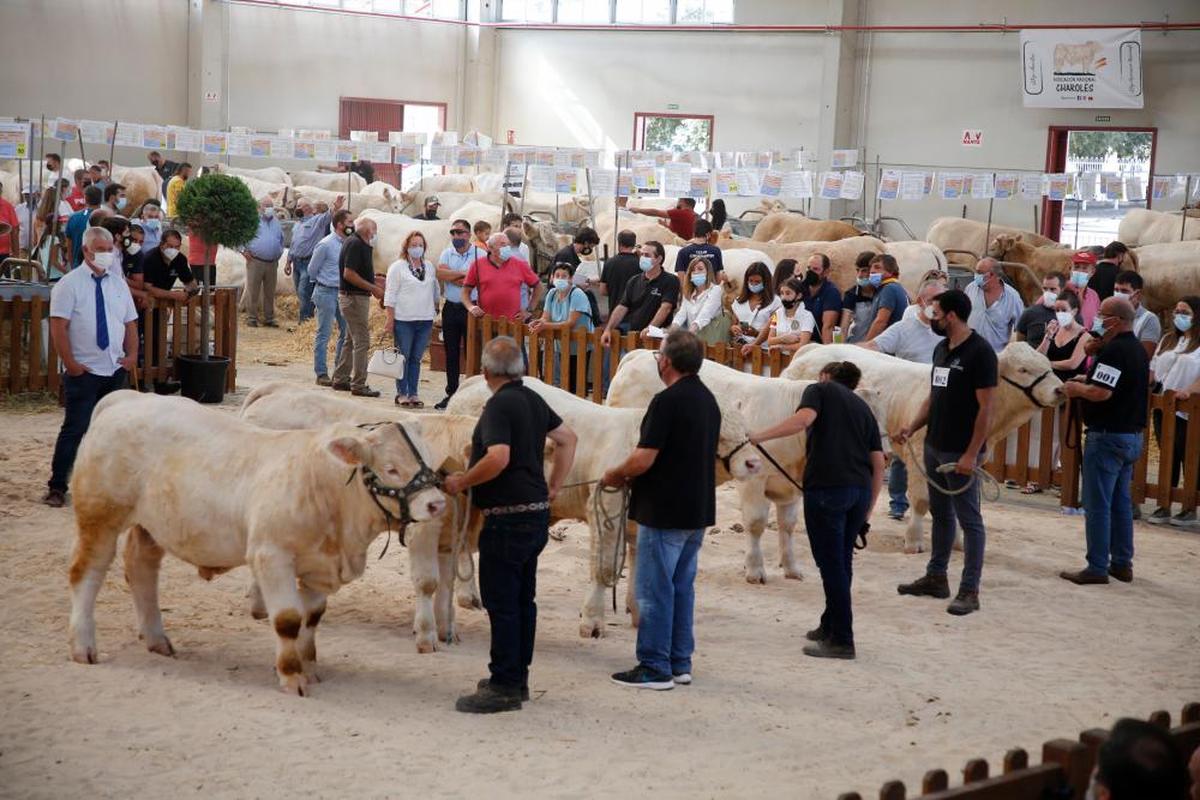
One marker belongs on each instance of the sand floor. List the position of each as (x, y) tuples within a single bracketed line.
[(1043, 659)]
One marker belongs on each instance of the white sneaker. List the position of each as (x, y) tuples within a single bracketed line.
[(683, 679)]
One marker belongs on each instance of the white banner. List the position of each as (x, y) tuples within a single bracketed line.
[(1088, 68)]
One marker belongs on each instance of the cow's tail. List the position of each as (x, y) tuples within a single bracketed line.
[(257, 393)]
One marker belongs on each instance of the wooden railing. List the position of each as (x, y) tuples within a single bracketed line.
[(29, 364), (1065, 770), (1032, 460)]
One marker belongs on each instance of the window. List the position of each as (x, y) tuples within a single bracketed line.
[(643, 11), (677, 133), (701, 12), (434, 9), (619, 12), (584, 11), (527, 10)]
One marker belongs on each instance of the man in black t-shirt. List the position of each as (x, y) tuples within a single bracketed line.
[(958, 410), (1031, 327), (648, 299), (511, 490), (1116, 260), (1114, 398), (585, 241), (673, 472), (618, 270), (358, 286), (843, 473), (699, 247)]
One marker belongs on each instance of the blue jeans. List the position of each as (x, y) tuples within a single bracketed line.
[(1108, 460), (304, 287), (325, 300), (946, 510), (80, 394), (897, 485), (411, 340), (666, 597), (509, 547), (833, 517)]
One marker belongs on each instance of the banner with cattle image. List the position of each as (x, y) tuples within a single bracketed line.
[(1091, 68)]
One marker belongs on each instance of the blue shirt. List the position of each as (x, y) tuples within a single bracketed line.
[(323, 265), (459, 262), (827, 298), (307, 233), (267, 244), (152, 233), (77, 224), (560, 309), (890, 295)]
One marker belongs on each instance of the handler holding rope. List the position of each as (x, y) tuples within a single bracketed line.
[(673, 470), (957, 412), (507, 473)]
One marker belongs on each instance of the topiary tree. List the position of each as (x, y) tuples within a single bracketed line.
[(221, 211)]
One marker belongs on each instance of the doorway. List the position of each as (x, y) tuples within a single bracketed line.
[(675, 133), (1109, 170), (384, 116)]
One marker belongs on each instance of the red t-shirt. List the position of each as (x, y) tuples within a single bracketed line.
[(500, 287), (8, 214), (196, 254), (75, 199), (683, 222)]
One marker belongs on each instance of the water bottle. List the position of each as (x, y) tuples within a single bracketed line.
[(837, 334)]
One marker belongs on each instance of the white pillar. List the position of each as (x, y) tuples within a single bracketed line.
[(208, 65), (838, 95)]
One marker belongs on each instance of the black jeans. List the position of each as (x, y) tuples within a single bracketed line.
[(509, 546), (833, 517), (454, 337), (82, 393), (1180, 444)]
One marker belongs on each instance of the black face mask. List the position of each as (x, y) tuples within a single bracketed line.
[(586, 251), (938, 326), (788, 304), (348, 230), (811, 279)]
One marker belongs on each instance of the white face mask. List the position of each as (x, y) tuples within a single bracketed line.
[(170, 253), (133, 249), (1049, 298), (927, 312), (373, 239), (102, 261), (1065, 318)]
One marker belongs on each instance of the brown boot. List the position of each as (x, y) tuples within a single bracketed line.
[(1084, 577), (927, 586), (1123, 574)]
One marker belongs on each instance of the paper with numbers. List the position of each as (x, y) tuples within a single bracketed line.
[(1006, 185), (1105, 375), (852, 185), (831, 185), (1031, 186), (797, 183)]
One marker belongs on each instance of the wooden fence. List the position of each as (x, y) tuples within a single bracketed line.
[(29, 364), (1065, 770), (1032, 456)]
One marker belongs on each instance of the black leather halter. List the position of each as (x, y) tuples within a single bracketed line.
[(425, 478)]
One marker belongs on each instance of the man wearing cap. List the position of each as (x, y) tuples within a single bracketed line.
[(1083, 267), (431, 208)]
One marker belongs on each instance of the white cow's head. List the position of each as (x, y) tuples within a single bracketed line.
[(736, 459), (1027, 379), (393, 471)]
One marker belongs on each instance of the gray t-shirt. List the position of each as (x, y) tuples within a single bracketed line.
[(1146, 327), (909, 339), (994, 323)]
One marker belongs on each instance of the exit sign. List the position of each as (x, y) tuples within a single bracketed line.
[(1103, 118), (672, 106)]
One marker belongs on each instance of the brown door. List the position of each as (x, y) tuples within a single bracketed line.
[(382, 116)]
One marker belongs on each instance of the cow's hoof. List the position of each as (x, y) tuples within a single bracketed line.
[(450, 637), (913, 549), (310, 672), (793, 574), (756, 575), (84, 654), (258, 613), (469, 601), (294, 684), (426, 644), (591, 630), (161, 645)]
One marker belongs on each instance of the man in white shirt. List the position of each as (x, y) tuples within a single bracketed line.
[(995, 306), (93, 328)]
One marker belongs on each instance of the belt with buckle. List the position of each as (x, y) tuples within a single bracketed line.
[(519, 508)]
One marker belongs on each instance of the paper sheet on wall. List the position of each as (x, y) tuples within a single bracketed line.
[(188, 140), (325, 151), (406, 154), (1085, 185), (441, 155), (96, 131), (912, 185), (543, 156), (566, 180), (215, 143), (701, 184), (578, 158), (645, 175), (798, 183), (446, 138), (495, 157), (983, 187), (1135, 188), (1164, 186), (831, 186), (852, 185), (603, 182), (764, 159), (771, 184), (592, 158), (562, 157), (408, 138), (1058, 186), (468, 156), (889, 185), (748, 183), (154, 137), (306, 134), (283, 147), (1032, 185), (1112, 186), (677, 178), (345, 151), (65, 130), (950, 185), (843, 158), (1006, 185), (379, 152), (14, 139), (260, 146), (541, 178), (238, 144)]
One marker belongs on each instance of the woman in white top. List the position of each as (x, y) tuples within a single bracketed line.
[(700, 308), (411, 300), (792, 324), (1177, 365), (753, 309)]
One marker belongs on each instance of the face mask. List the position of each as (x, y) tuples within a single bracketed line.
[(1065, 318), (133, 248), (1123, 295), (927, 312), (458, 243), (102, 261), (506, 253), (1049, 298), (938, 326), (121, 201), (861, 282), (373, 240), (587, 251), (699, 279), (788, 304), (1098, 327), (170, 253), (267, 213), (561, 284), (152, 224), (978, 280), (875, 279), (1079, 279), (754, 288), (415, 253), (1183, 322), (811, 278), (348, 230), (646, 263)]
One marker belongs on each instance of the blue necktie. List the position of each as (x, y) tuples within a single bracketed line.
[(101, 317)]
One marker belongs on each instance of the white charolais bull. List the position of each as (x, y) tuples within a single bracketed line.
[(1027, 384), (333, 181), (393, 228), (280, 405), (276, 500), (762, 402), (1142, 226), (606, 438)]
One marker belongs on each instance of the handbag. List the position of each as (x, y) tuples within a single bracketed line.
[(387, 362), (717, 330)]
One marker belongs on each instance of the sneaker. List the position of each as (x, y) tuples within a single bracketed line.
[(964, 603), (641, 678), (1184, 519), (489, 699), (364, 391), (340, 386), (323, 380), (896, 515), (927, 586), (251, 323), (485, 682), (1123, 574), (55, 498), (270, 324), (828, 649), (1159, 516), (1083, 577), (817, 634), (682, 678), (441, 404)]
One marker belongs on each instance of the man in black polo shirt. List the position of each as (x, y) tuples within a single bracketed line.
[(648, 299), (357, 288), (165, 264), (957, 411), (1114, 410), (699, 247), (673, 501), (618, 270), (843, 474), (586, 240), (510, 488)]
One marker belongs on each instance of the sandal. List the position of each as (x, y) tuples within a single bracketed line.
[(414, 402), (396, 400), (1031, 488)]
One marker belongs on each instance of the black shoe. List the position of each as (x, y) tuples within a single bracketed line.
[(1086, 578), (927, 586), (964, 603), (270, 324), (55, 498), (323, 380), (364, 391), (641, 678), (817, 635), (1123, 574), (251, 323), (489, 699), (441, 404), (341, 386), (167, 387), (485, 682), (828, 649)]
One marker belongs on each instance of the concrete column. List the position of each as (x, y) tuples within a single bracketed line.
[(208, 65), (479, 72), (838, 95)]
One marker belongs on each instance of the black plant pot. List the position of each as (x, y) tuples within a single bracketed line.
[(200, 380)]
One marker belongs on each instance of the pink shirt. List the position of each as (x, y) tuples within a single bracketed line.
[(500, 287), (1089, 307)]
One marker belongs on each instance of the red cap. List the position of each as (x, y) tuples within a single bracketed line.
[(1083, 257)]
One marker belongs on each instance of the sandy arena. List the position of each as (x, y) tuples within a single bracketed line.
[(1043, 659)]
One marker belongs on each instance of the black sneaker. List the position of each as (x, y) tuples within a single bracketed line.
[(964, 603), (927, 586), (55, 498), (828, 649), (641, 678), (364, 391), (251, 323), (441, 404), (489, 699), (817, 635), (341, 386), (485, 682)]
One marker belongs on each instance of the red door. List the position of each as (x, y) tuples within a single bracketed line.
[(382, 116)]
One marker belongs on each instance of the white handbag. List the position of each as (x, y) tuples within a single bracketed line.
[(387, 362)]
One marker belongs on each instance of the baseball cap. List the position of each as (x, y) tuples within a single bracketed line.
[(1083, 257), (432, 200)]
